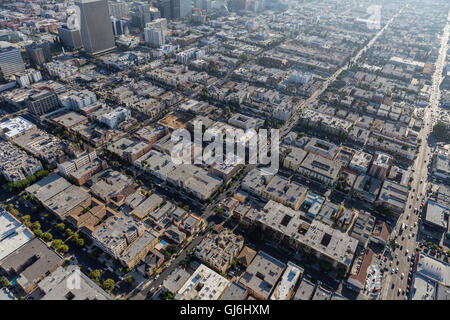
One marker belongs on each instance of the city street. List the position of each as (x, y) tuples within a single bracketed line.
[(419, 189)]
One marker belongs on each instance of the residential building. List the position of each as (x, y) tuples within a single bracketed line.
[(42, 102), (290, 277), (262, 275), (203, 284), (219, 250), (380, 165)]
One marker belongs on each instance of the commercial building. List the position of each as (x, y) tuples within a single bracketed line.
[(29, 264), (180, 8), (118, 9), (15, 127), (54, 287), (437, 217), (431, 279), (11, 62), (204, 284), (393, 196), (70, 38), (262, 275), (39, 53), (96, 30), (13, 234)]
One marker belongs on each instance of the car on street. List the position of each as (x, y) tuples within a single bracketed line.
[(402, 276)]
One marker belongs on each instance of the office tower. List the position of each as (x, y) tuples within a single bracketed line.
[(237, 5), (181, 8), (11, 61), (70, 38), (39, 53), (36, 55), (118, 9), (203, 4), (42, 102), (164, 7), (154, 32), (96, 30), (119, 26)]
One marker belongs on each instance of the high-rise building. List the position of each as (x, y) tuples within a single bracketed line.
[(164, 7), (203, 4), (181, 8), (237, 5), (96, 30), (70, 38), (42, 102), (118, 10), (119, 26), (154, 32), (39, 53), (11, 62)]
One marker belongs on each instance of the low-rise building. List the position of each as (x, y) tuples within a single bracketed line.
[(54, 287), (29, 264), (262, 275), (219, 250), (393, 196), (13, 233), (204, 284), (285, 289), (320, 168)]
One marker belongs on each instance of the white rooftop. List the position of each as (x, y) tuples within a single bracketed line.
[(16, 126)]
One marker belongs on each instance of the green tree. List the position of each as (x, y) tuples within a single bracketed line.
[(108, 285), (95, 275), (47, 236), (61, 226), (57, 243), (35, 226), (63, 249), (4, 282)]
